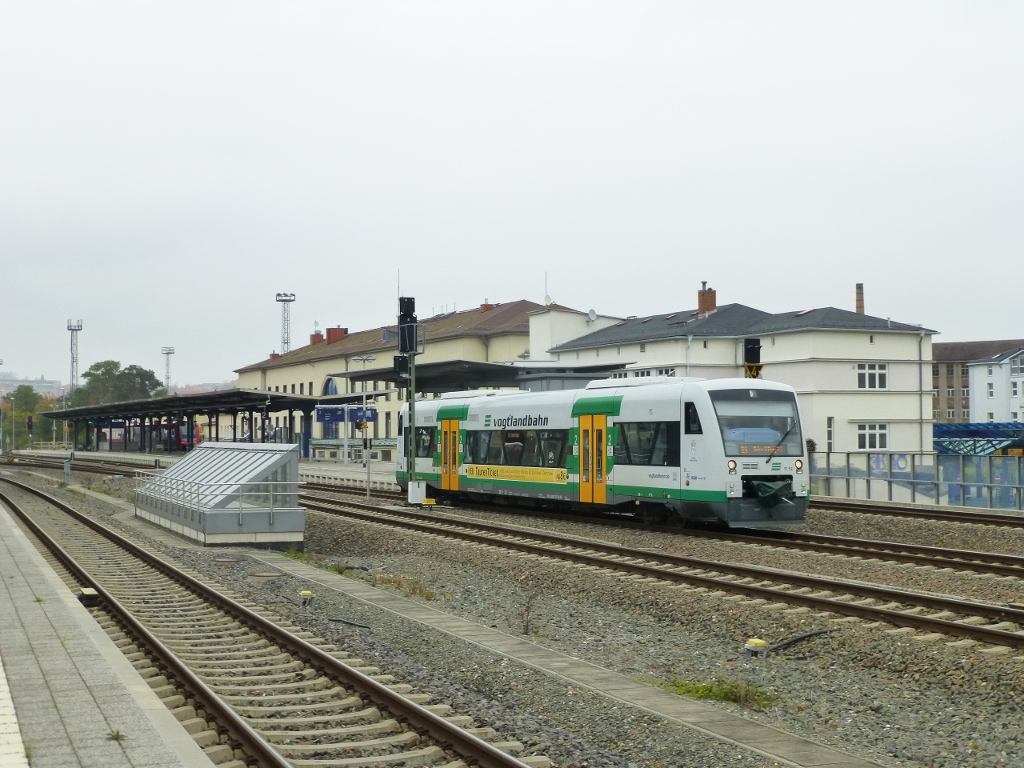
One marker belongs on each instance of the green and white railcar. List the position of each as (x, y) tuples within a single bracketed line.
[(721, 450)]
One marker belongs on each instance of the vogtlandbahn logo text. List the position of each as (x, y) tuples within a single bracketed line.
[(515, 421)]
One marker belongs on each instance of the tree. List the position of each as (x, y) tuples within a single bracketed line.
[(107, 382), (18, 406)]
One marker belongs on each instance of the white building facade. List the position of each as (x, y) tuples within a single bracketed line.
[(864, 383), (997, 388)]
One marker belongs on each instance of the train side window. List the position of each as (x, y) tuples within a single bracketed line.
[(494, 448), (665, 450), (622, 447), (648, 443), (476, 447), (552, 446), (692, 421), (531, 449), (513, 448), (424, 442)]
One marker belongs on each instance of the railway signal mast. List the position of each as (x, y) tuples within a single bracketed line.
[(405, 363), (285, 299), (167, 352)]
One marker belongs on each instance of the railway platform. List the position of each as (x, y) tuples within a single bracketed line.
[(68, 696)]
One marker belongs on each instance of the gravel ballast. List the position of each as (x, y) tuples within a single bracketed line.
[(876, 693)]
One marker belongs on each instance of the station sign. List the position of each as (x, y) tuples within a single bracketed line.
[(343, 413)]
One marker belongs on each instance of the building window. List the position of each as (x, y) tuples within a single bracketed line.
[(666, 371), (705, 344), (1013, 388), (964, 370), (991, 416), (990, 370), (991, 389), (949, 391), (949, 370), (935, 414), (872, 376), (830, 424), (302, 389), (950, 413), (967, 392), (871, 339), (620, 375), (1013, 416), (935, 369), (966, 413), (1017, 366), (935, 392), (872, 437), (293, 389), (643, 347), (641, 373)]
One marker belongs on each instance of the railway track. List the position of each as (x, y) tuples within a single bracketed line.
[(938, 557), (993, 624), (251, 691)]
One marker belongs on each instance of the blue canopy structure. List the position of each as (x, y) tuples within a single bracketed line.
[(979, 439)]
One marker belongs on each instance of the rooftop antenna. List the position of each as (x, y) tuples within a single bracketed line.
[(74, 328), (167, 352), (286, 321)]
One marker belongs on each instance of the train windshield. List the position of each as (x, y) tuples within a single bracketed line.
[(758, 422)]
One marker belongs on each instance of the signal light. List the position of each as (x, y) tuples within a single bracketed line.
[(29, 424)]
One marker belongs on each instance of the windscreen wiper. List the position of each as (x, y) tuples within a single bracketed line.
[(776, 448)]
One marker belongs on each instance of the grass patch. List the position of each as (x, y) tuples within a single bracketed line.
[(116, 735), (319, 561), (730, 691), (408, 584)]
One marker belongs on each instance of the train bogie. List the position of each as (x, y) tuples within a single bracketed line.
[(728, 450)]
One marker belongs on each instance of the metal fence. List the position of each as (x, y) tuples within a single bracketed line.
[(985, 482)]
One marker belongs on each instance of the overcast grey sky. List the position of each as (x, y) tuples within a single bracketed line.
[(166, 168)]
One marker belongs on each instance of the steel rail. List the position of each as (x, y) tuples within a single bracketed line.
[(899, 618), (979, 518), (227, 720), (960, 559), (459, 740)]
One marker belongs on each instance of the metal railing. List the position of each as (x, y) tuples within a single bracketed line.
[(984, 482), (161, 494)]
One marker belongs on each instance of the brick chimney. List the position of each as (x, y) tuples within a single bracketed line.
[(274, 355), (336, 334), (860, 298), (486, 307), (316, 338), (706, 299)]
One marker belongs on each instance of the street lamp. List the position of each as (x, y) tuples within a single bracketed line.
[(364, 359)]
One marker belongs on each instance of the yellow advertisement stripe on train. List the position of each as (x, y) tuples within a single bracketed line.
[(523, 474)]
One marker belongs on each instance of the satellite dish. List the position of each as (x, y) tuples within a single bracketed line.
[(591, 315), (547, 301)]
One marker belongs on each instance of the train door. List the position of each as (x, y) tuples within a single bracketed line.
[(593, 459), (449, 454)]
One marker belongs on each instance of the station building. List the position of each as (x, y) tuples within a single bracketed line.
[(862, 381), (951, 380)]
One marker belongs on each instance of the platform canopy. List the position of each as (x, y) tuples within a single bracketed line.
[(977, 439), (220, 401), (459, 375)]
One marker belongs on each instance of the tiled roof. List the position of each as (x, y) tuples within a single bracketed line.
[(963, 351), (732, 321), (499, 319)]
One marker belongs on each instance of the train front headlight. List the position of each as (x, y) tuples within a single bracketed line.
[(732, 467), (799, 464)]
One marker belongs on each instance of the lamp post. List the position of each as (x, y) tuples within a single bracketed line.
[(364, 359)]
